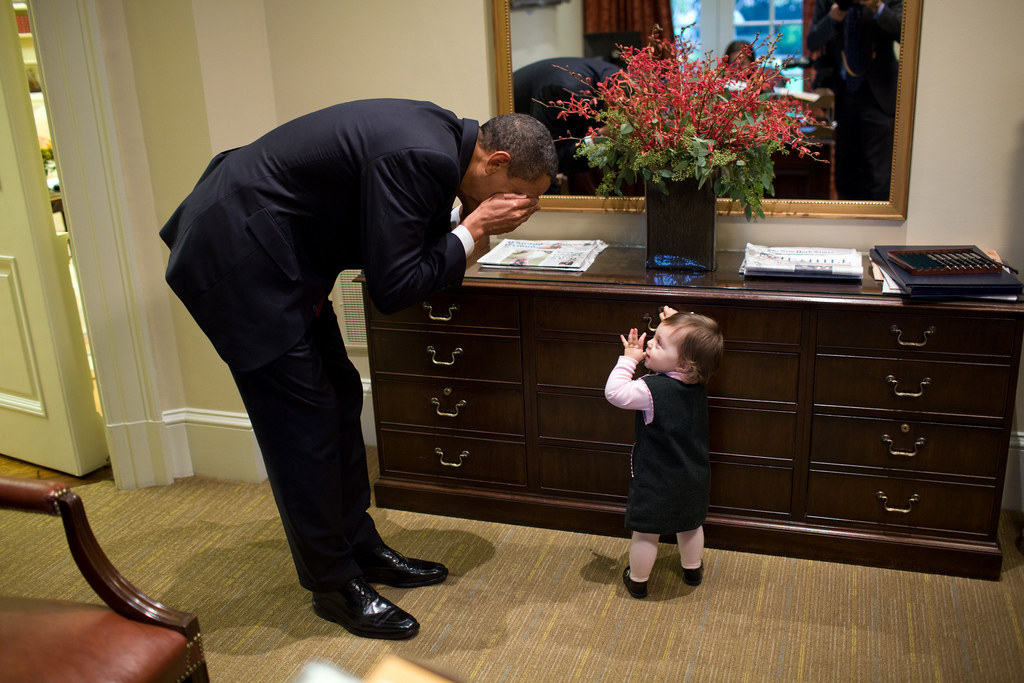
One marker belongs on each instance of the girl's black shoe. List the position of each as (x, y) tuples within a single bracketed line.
[(638, 589), (693, 577)]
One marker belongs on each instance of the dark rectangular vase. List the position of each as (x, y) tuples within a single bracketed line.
[(681, 226)]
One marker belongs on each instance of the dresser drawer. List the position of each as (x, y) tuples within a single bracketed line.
[(750, 375), (578, 364), (582, 472), (911, 503), (734, 486), (759, 433), (772, 325), (455, 309), (913, 446), (970, 389), (583, 418), (927, 333), (447, 354), (757, 376), (453, 457), (451, 405), (755, 489), (733, 431)]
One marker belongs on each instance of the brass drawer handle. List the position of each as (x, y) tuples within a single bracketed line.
[(440, 454), (430, 312), (648, 318), (886, 439), (899, 336), (907, 394), (882, 497), (437, 408), (432, 351)]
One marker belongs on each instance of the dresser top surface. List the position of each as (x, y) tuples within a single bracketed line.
[(623, 268)]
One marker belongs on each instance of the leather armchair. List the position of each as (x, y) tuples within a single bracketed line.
[(132, 638)]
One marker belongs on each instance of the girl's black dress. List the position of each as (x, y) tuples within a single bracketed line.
[(671, 472)]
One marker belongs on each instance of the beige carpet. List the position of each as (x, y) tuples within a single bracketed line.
[(526, 604)]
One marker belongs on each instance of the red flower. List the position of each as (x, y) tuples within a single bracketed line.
[(692, 117)]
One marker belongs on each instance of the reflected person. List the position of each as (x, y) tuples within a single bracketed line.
[(740, 53), (550, 80), (857, 61)]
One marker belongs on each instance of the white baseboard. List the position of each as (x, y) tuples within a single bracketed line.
[(366, 419), (213, 443), (219, 444)]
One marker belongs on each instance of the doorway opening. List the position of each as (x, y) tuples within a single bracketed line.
[(50, 166)]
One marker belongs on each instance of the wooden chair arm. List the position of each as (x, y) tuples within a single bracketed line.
[(31, 495), (55, 498)]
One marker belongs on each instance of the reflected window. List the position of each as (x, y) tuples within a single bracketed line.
[(713, 24), (687, 20)]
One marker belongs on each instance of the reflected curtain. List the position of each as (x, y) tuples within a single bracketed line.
[(605, 16)]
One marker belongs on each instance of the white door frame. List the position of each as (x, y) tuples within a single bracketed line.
[(103, 199)]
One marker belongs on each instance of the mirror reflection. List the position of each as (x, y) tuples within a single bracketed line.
[(854, 89)]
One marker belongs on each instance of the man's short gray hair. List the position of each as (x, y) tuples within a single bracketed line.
[(527, 141)]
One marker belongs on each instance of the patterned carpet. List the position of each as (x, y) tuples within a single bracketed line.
[(526, 604)]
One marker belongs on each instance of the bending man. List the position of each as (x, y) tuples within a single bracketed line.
[(257, 246)]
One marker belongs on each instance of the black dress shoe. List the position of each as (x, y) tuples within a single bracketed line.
[(363, 612), (638, 589), (385, 565), (693, 577)]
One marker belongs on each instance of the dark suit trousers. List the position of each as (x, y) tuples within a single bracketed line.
[(864, 138), (304, 408)]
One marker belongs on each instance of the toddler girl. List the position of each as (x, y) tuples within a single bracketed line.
[(669, 466)]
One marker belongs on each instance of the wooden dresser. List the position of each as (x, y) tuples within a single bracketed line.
[(846, 425)]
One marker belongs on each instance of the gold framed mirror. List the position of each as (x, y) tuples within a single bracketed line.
[(895, 208)]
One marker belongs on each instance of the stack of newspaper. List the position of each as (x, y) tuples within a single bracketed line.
[(573, 256), (811, 262)]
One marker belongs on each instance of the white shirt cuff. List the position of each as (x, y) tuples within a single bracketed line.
[(461, 231)]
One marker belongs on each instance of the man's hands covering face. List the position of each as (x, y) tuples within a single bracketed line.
[(499, 214)]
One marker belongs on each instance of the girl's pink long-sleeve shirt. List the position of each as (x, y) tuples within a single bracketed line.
[(622, 391)]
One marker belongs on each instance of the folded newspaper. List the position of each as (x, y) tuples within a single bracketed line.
[(564, 255), (811, 262)]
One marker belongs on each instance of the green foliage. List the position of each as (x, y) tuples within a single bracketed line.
[(745, 180), (666, 117), (48, 161)]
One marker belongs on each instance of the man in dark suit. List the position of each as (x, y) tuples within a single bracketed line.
[(256, 248), (858, 63), (550, 80)]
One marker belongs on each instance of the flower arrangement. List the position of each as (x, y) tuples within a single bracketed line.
[(666, 116)]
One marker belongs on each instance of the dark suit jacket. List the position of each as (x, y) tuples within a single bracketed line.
[(877, 40), (258, 243), (544, 81)]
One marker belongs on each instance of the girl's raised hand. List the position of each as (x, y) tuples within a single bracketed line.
[(633, 345)]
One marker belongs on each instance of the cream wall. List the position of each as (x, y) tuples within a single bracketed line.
[(222, 75), (139, 70), (329, 52), (237, 75), (240, 67), (969, 145)]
